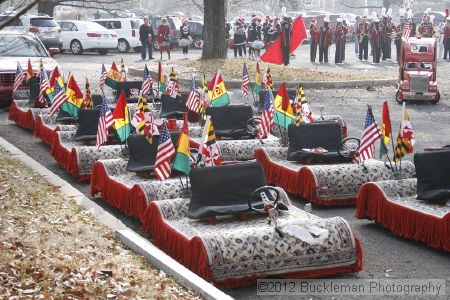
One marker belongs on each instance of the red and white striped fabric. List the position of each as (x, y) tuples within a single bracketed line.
[(59, 98), (105, 122), (20, 76), (103, 76), (370, 135), (407, 31), (166, 151), (147, 83), (267, 116), (44, 85), (245, 81), (193, 101)]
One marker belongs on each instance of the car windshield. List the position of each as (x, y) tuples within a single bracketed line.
[(419, 65), (43, 22), (21, 45)]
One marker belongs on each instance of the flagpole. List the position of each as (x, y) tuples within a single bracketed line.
[(379, 133), (392, 143), (278, 121)]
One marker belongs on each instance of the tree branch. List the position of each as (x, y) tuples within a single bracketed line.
[(20, 13), (351, 6)]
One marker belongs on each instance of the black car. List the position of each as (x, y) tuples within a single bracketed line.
[(196, 33)]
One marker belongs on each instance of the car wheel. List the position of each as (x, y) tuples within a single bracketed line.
[(436, 100), (102, 51), (76, 47), (198, 43), (397, 97), (123, 46)]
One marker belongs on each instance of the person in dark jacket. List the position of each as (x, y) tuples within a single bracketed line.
[(146, 36), (186, 38)]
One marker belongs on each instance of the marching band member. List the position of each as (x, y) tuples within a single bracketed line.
[(326, 39), (314, 40), (441, 40), (447, 39), (274, 30), (253, 32), (363, 37), (239, 38), (185, 38), (286, 33), (426, 28), (164, 37), (399, 32), (340, 33), (387, 30), (355, 35), (375, 38)]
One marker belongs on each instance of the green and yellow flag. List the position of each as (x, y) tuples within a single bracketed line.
[(74, 98), (181, 162), (161, 79), (121, 118), (217, 92), (258, 84), (87, 97), (284, 113), (386, 130), (113, 76)]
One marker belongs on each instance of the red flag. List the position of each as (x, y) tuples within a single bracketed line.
[(283, 93), (274, 54)]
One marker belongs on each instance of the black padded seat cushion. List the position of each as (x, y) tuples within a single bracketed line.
[(223, 190), (327, 135), (230, 121), (262, 94), (97, 100), (63, 116), (88, 125), (173, 107), (433, 175), (143, 154)]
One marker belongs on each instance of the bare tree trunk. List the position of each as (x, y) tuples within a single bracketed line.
[(214, 45)]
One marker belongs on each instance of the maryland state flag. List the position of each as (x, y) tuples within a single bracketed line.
[(386, 130), (302, 109), (87, 97), (217, 92), (142, 119), (209, 148), (284, 113), (405, 138), (182, 158), (258, 84), (121, 116), (74, 98), (161, 79), (173, 87), (268, 82), (113, 76)]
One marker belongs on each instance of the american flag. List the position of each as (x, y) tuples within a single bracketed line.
[(103, 76), (105, 121), (59, 98), (20, 76), (44, 85), (166, 151), (407, 30), (370, 135), (147, 83), (245, 81), (267, 115), (193, 101)]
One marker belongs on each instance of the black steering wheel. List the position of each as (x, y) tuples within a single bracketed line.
[(253, 126), (263, 198), (349, 148)]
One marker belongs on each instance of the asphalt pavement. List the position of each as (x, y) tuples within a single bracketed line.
[(382, 250)]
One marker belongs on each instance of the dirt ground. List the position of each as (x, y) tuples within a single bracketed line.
[(51, 249)]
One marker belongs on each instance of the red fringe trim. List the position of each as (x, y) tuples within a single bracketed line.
[(279, 175), (60, 153), (115, 193), (192, 253), (405, 222), (44, 132), (22, 118), (308, 188), (137, 205)]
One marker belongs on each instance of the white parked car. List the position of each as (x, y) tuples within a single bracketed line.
[(127, 30), (80, 36)]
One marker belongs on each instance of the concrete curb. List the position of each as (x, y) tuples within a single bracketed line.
[(236, 84), (127, 236)]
